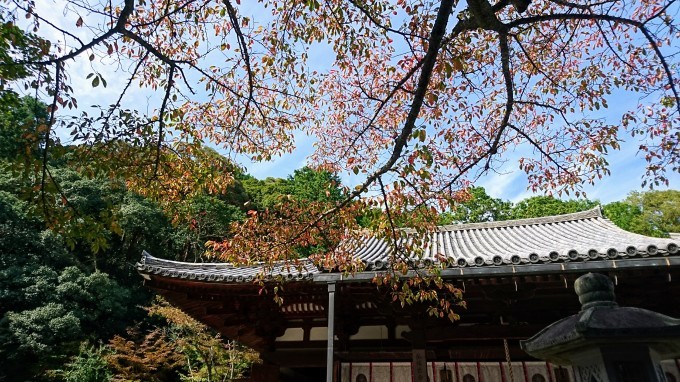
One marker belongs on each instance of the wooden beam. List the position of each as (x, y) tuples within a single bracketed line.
[(478, 332)]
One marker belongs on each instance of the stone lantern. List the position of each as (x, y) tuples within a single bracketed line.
[(605, 342)]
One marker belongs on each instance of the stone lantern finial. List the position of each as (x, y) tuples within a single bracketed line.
[(605, 342), (595, 290)]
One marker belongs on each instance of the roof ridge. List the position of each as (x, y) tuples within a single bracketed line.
[(595, 212)]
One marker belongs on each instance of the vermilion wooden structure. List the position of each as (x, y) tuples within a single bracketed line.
[(517, 276)]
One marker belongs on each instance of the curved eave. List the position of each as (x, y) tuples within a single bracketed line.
[(524, 269), (454, 272), (223, 272), (583, 241)]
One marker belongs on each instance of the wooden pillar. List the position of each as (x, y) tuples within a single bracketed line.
[(419, 365), (331, 332)]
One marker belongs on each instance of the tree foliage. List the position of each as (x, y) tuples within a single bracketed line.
[(67, 284), (652, 213), (55, 294), (48, 303), (478, 207), (538, 206), (19, 121), (171, 346), (88, 366), (18, 52), (144, 357), (208, 356), (205, 218), (407, 85), (305, 185)]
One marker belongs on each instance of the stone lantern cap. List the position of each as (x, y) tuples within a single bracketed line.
[(602, 322)]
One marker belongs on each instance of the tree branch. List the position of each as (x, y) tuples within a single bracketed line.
[(53, 110), (641, 26), (161, 117), (246, 58)]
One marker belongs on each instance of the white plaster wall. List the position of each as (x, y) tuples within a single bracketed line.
[(490, 371), (401, 372), (373, 332), (318, 333), (399, 329), (292, 334)]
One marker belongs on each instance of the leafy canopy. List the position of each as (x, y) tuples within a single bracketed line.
[(428, 94), (653, 213)]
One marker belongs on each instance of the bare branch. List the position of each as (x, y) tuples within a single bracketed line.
[(539, 148), (436, 36), (641, 26), (118, 28), (161, 116), (53, 109), (377, 22), (48, 22), (246, 58), (388, 212)]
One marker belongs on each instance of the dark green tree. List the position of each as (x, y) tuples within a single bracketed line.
[(20, 120), (626, 216), (538, 206), (651, 213), (67, 274), (480, 207), (54, 292), (265, 193), (312, 185), (204, 218), (305, 184)]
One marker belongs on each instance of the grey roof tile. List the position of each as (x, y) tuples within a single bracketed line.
[(573, 237)]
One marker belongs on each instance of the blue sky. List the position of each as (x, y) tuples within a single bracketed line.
[(627, 168)]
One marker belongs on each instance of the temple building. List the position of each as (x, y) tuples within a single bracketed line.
[(517, 277)]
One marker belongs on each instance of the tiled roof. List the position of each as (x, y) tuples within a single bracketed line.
[(220, 272), (579, 236)]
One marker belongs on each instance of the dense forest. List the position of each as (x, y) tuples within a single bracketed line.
[(72, 307)]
